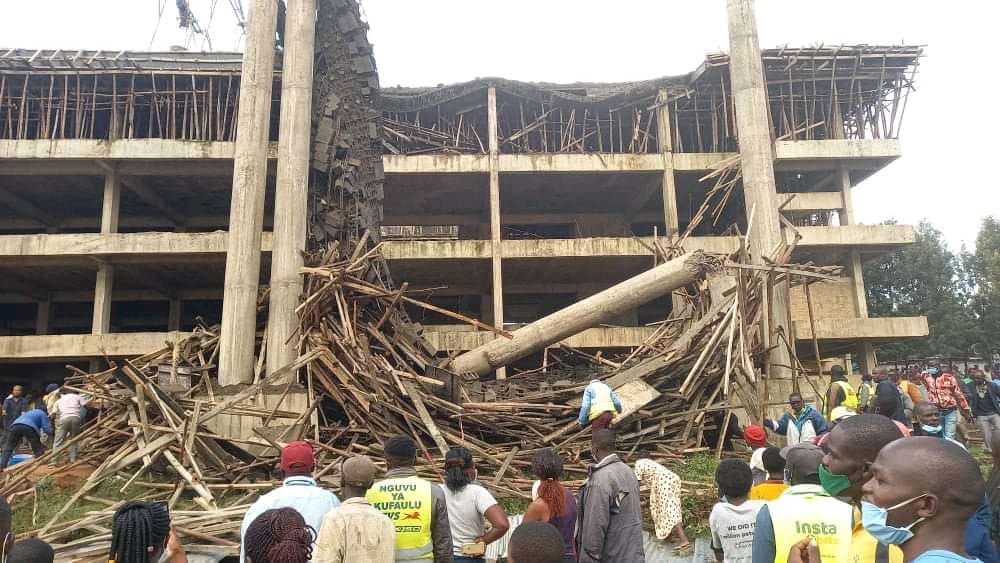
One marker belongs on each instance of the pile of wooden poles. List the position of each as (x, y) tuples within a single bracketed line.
[(364, 375)]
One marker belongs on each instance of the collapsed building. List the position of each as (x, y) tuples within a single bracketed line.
[(503, 200), (125, 179)]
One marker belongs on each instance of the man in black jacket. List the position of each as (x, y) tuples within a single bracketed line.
[(984, 400)]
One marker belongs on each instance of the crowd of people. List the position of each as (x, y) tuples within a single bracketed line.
[(875, 473), (57, 416)]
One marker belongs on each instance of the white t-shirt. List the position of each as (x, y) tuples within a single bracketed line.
[(465, 513), (733, 528), (69, 405)]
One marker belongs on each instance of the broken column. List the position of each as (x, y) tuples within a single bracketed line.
[(586, 313)]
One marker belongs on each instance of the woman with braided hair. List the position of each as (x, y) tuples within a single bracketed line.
[(470, 505), (141, 533), (279, 535)]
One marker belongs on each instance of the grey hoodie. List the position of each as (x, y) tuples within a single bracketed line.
[(610, 515)]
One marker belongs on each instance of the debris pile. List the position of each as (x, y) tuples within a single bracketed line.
[(367, 376)]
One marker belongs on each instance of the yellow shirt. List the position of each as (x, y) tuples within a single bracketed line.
[(768, 490)]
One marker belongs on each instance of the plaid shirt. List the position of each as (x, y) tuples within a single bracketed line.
[(945, 392)]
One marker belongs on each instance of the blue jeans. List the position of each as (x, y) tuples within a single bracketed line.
[(949, 421), (460, 559)]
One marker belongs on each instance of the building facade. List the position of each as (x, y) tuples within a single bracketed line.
[(503, 200)]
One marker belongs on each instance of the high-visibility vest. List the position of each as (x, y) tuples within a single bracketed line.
[(600, 402), (850, 396), (807, 510), (407, 501), (871, 392)]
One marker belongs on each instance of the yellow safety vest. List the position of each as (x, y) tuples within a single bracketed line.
[(850, 396), (807, 510), (407, 501), (601, 402)]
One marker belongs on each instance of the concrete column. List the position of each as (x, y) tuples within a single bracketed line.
[(174, 316), (102, 299), (486, 307), (865, 351), (290, 203), (757, 161), (669, 184), (42, 316), (495, 228), (105, 280), (246, 212), (112, 199), (584, 314)]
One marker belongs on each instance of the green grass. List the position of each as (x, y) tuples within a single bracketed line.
[(51, 498), (516, 505), (698, 468)]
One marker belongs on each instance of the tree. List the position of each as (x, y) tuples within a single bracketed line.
[(984, 303), (922, 279)]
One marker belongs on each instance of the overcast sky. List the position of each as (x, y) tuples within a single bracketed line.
[(947, 173)]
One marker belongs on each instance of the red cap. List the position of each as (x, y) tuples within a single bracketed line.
[(297, 457), (755, 436)]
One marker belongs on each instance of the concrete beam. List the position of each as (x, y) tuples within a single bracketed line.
[(582, 162), (436, 163), (122, 149), (839, 149), (879, 329), (864, 237), (812, 201), (69, 347), (697, 161), (436, 250), (95, 245)]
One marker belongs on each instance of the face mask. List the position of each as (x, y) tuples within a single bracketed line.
[(832, 483), (873, 519), (931, 429)]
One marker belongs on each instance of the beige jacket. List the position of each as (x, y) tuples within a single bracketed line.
[(355, 532)]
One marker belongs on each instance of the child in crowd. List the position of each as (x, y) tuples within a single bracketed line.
[(775, 483), (732, 520)]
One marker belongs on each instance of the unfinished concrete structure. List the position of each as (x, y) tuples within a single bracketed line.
[(504, 200)]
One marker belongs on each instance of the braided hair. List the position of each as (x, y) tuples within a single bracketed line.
[(137, 527), (548, 467), (456, 462), (279, 535)]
